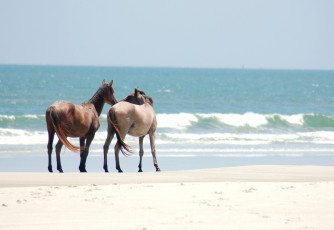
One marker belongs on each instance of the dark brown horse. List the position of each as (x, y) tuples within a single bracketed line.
[(69, 120), (136, 119)]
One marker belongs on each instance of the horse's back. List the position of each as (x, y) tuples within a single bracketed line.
[(62, 106), (123, 109), (81, 111), (126, 109)]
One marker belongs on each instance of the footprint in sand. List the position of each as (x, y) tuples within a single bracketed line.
[(287, 187), (249, 190)]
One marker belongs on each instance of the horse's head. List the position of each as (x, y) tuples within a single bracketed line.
[(136, 97), (142, 98), (108, 92)]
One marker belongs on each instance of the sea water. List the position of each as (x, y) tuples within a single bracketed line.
[(206, 117)]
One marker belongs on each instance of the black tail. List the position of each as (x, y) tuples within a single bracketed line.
[(123, 146)]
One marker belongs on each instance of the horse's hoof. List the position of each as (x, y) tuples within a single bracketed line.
[(120, 171), (140, 170), (60, 170), (158, 170), (50, 170), (82, 169)]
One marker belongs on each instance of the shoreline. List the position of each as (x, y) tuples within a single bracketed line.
[(38, 163), (255, 173), (246, 197)]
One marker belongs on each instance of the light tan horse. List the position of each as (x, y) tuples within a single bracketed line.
[(135, 120), (69, 120)]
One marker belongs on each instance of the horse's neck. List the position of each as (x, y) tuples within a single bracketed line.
[(98, 102)]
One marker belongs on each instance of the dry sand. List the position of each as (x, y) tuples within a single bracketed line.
[(252, 197)]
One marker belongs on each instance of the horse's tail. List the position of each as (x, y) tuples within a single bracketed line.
[(61, 129), (120, 141)]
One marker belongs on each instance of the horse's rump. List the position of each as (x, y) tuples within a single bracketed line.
[(61, 126), (112, 120)]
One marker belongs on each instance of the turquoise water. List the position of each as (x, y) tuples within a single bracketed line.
[(206, 117)]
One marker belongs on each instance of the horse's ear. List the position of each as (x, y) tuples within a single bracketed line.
[(103, 82), (110, 83), (137, 91)]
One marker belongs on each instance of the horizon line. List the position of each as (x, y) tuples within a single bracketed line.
[(168, 67)]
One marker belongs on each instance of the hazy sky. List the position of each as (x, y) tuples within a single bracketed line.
[(291, 34)]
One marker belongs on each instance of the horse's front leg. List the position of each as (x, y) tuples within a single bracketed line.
[(111, 133), (59, 145), (152, 142), (84, 153), (141, 153), (50, 144)]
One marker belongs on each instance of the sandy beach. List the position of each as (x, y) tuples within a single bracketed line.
[(250, 197)]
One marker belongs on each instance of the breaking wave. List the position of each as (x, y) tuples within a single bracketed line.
[(247, 120), (201, 120), (195, 129)]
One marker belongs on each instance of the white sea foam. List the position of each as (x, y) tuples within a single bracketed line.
[(103, 116), (33, 116), (229, 138), (238, 120), (8, 117), (164, 90), (20, 136), (29, 116), (176, 121), (191, 133), (183, 121), (297, 119), (254, 120)]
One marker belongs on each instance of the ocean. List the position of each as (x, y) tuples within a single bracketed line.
[(206, 117)]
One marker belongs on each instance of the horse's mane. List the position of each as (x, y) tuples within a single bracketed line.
[(149, 100), (98, 96)]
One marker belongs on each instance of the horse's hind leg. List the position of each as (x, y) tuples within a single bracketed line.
[(59, 145), (111, 133), (50, 144), (141, 152), (117, 149), (152, 142)]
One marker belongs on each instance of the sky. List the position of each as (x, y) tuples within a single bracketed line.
[(268, 34)]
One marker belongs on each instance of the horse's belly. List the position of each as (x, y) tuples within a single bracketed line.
[(137, 131)]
